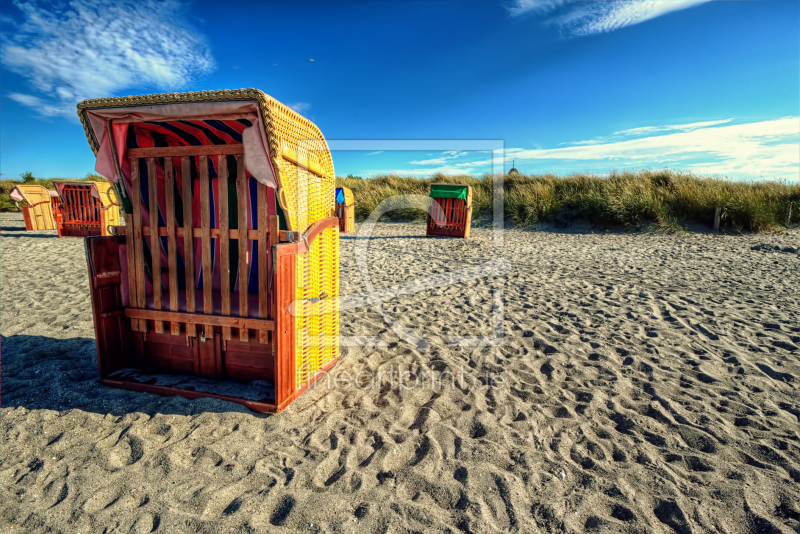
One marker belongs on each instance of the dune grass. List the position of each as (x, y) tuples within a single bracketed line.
[(629, 199), (6, 186)]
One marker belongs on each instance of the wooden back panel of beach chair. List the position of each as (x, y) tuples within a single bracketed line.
[(450, 217), (85, 209), (138, 257)]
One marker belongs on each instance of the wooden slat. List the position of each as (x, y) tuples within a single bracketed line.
[(188, 243), (201, 319), (179, 151), (274, 224), (224, 259), (205, 221), (155, 242), (233, 233), (263, 298), (172, 253), (241, 196), (129, 244), (136, 200)]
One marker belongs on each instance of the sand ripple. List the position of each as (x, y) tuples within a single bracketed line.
[(648, 384)]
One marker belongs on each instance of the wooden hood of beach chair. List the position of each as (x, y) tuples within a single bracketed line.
[(450, 213), (183, 251), (38, 214)]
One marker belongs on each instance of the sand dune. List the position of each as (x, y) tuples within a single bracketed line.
[(637, 383)]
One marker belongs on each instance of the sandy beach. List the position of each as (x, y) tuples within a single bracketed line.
[(623, 382)]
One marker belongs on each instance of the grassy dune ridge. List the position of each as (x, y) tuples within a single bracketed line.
[(669, 199)]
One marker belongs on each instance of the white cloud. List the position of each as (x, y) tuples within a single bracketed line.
[(521, 7), (94, 48), (585, 18), (769, 149), (300, 107), (675, 127), (446, 156)]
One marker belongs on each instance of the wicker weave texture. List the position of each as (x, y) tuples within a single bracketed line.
[(317, 323), (108, 197)]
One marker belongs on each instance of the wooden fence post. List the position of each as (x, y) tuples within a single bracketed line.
[(717, 215), (789, 215)]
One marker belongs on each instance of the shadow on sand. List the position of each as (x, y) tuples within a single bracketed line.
[(45, 373)]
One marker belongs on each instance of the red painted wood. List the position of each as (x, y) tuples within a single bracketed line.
[(260, 407), (284, 334), (319, 374), (112, 330)]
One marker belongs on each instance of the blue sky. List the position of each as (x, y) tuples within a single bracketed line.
[(565, 85)]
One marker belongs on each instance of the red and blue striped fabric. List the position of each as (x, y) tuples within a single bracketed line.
[(194, 133)]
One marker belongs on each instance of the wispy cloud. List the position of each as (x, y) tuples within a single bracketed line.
[(769, 149), (300, 107), (673, 127), (579, 17), (94, 48), (444, 159), (451, 162)]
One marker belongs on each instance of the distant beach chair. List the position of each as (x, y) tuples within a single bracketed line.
[(345, 209), (451, 210), (38, 213), (224, 281), (86, 208)]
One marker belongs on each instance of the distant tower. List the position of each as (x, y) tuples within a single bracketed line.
[(513, 169)]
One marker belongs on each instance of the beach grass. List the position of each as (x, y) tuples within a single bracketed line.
[(665, 199)]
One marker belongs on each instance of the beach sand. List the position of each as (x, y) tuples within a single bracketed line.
[(639, 383)]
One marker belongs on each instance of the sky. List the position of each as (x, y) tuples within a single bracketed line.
[(711, 87)]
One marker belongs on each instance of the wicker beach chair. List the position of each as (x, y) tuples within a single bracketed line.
[(224, 281), (451, 210), (86, 208), (38, 213), (345, 209)]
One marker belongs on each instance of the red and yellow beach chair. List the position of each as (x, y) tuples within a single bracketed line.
[(224, 281), (451, 210), (38, 211), (86, 208)]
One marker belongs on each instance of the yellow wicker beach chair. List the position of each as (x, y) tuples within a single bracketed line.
[(345, 209), (224, 281), (38, 213)]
